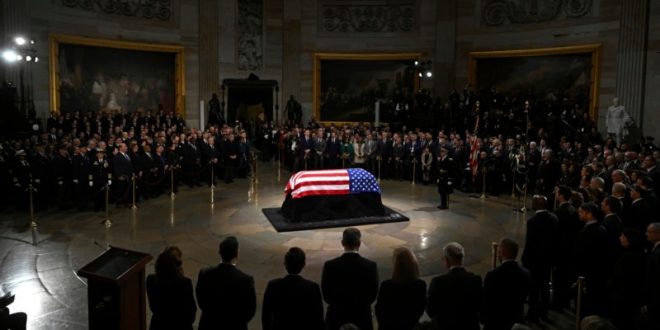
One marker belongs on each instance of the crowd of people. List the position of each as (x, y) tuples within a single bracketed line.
[(596, 207), (79, 156), (456, 299)]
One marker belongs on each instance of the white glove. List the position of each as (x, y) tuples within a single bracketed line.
[(91, 183), (37, 181), (449, 183), (109, 182), (59, 183), (75, 181)]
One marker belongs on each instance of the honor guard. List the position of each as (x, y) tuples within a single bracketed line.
[(99, 178), (446, 173)]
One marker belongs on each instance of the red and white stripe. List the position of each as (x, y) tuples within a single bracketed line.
[(315, 183)]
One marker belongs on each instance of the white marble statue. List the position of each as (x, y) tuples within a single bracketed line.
[(617, 120)]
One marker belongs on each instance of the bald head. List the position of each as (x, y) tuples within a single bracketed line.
[(539, 202)]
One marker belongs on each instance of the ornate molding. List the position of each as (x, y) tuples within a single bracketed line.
[(502, 12), (148, 9), (250, 34), (368, 18)]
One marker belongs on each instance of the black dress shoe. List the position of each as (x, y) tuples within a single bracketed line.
[(443, 207)]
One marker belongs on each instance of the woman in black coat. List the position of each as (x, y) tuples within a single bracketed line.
[(170, 294), (625, 284), (401, 299)]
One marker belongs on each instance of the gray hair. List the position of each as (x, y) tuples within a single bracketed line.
[(595, 322), (454, 251), (654, 226), (619, 188)]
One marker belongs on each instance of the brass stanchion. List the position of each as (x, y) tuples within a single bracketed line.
[(172, 213), (513, 187), (212, 174), (134, 206), (483, 190), (279, 165), (378, 159), (212, 187), (495, 248), (254, 170), (414, 164), (107, 221), (578, 307), (32, 221), (172, 194)]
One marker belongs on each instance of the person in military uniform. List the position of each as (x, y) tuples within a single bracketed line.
[(81, 169), (100, 177), (173, 156), (62, 172), (22, 177), (446, 173), (122, 166)]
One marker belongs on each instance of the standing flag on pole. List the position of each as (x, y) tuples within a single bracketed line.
[(474, 155)]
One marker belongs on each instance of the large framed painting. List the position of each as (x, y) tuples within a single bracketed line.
[(89, 74), (572, 71), (347, 86)]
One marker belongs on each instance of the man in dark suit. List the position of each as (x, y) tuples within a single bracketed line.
[(539, 256), (332, 151), (640, 209), (613, 224), (454, 299), (225, 294), (505, 290), (292, 302), (350, 285), (306, 152), (652, 281), (122, 167), (568, 228), (593, 259)]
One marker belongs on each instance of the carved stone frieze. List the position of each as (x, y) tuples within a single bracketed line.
[(250, 34), (373, 17), (148, 9), (502, 12)]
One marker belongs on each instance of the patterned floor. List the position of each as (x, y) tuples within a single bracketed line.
[(46, 287)]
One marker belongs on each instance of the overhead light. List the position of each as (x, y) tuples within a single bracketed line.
[(420, 74), (28, 58), (20, 41), (429, 74), (19, 57), (416, 63), (36, 59), (31, 42), (9, 55)]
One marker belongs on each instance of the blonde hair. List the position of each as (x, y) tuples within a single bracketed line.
[(405, 265)]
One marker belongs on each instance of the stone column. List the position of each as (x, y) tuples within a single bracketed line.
[(445, 48), (630, 82), (209, 71), (290, 53)]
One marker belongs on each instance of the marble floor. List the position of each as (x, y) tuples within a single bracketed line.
[(44, 279)]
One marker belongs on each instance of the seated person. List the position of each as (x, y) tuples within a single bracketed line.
[(15, 321)]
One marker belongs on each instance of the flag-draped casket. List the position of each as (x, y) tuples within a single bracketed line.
[(332, 194)]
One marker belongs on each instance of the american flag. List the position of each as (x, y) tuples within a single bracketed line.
[(474, 155), (331, 182)]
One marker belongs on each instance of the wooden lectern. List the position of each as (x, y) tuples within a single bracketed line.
[(116, 290)]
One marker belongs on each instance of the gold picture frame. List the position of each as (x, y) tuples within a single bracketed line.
[(594, 50), (55, 40), (317, 87)]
